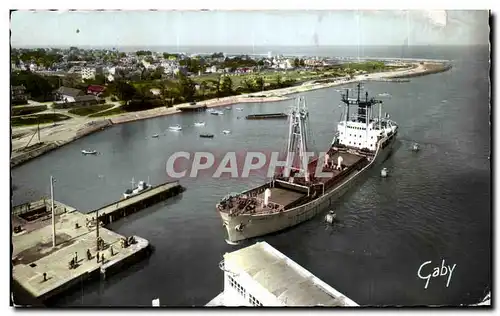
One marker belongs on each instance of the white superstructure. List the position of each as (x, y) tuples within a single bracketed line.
[(364, 129), (260, 275)]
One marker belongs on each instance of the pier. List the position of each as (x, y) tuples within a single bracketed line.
[(55, 247), (125, 207), (267, 116), (193, 108)]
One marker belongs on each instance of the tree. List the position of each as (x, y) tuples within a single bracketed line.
[(226, 86), (71, 80), (36, 86), (278, 80), (203, 87), (296, 63), (248, 85), (124, 91), (157, 73), (186, 87), (259, 83), (217, 85)]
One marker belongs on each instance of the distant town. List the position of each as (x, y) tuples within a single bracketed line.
[(141, 80)]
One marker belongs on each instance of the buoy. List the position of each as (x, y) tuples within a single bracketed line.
[(384, 172), (330, 217)]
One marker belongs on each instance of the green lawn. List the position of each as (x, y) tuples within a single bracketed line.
[(114, 111), (35, 119), (26, 110), (91, 109)]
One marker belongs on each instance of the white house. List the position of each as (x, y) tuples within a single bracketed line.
[(110, 78), (88, 73), (260, 275), (69, 95)]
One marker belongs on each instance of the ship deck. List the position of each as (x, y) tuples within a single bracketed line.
[(282, 197), (348, 158)]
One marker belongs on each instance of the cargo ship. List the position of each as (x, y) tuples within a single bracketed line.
[(296, 193)]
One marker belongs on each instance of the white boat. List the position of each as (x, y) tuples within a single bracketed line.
[(217, 113), (199, 124), (210, 110), (239, 109), (228, 108), (155, 136), (416, 147), (89, 152), (226, 131), (141, 186), (384, 172), (253, 274), (175, 128)]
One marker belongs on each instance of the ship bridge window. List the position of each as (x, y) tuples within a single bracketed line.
[(253, 300), (237, 286)]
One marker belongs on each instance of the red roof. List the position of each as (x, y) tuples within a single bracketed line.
[(96, 88)]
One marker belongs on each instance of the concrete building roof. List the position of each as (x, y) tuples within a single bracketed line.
[(289, 282)]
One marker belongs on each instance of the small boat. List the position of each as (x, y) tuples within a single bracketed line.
[(239, 109), (141, 186), (330, 217), (210, 110), (217, 113), (228, 108), (175, 128), (226, 131), (207, 135), (89, 152), (199, 124), (384, 172), (155, 136), (416, 147)]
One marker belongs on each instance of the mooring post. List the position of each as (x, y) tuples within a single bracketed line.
[(53, 211)]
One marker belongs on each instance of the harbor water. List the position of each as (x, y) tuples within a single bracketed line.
[(434, 205)]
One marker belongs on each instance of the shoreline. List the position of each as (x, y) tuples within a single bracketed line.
[(65, 133)]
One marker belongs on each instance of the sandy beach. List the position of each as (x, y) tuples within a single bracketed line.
[(54, 136)]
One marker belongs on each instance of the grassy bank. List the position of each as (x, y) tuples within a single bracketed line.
[(114, 111), (27, 110), (91, 109), (38, 119)]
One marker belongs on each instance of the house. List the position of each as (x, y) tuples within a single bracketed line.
[(18, 94), (86, 100), (68, 94), (95, 90), (88, 73), (78, 101)]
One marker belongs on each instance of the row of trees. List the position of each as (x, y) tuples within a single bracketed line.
[(37, 56), (184, 89)]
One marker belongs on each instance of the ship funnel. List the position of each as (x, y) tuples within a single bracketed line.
[(339, 164), (267, 195)]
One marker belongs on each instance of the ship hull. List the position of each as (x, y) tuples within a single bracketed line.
[(245, 226)]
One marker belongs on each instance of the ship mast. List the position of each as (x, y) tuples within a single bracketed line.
[(365, 110), (297, 139)]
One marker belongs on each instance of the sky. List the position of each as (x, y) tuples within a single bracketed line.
[(247, 28)]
